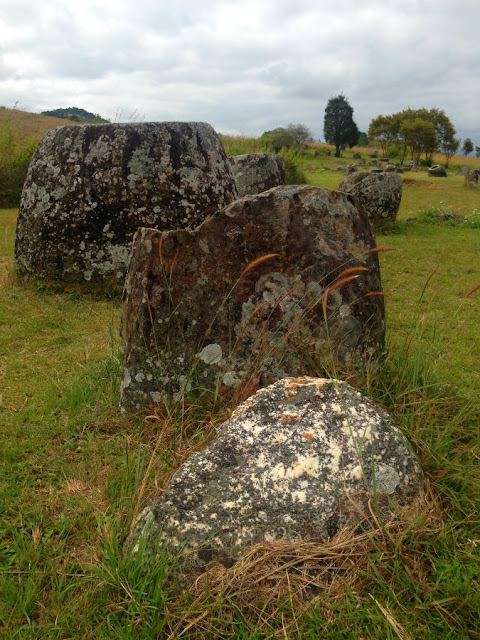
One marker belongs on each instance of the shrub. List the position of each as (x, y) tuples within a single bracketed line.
[(15, 157), (294, 173)]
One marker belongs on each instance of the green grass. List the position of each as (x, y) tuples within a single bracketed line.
[(74, 471)]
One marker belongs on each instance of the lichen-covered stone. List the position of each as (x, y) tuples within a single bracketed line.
[(378, 193), (296, 461), (437, 171), (205, 308), (90, 187), (257, 172), (472, 178)]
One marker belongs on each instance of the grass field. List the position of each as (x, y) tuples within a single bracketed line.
[(74, 471)]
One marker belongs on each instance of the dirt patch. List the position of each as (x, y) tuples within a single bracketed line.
[(422, 183)]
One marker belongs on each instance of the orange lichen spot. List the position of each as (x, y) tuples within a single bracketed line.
[(289, 397), (308, 436), (282, 415), (289, 419), (298, 418), (283, 421)]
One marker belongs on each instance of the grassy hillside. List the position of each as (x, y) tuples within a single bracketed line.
[(30, 125)]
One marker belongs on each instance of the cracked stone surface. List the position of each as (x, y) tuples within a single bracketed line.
[(288, 464), (257, 172), (204, 309), (379, 194), (90, 187)]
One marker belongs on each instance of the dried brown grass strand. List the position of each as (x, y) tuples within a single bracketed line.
[(257, 262)]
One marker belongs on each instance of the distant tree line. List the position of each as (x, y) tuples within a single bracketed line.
[(418, 131), (76, 114)]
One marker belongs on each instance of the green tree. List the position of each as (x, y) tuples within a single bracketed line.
[(362, 139), (467, 146), (385, 130), (338, 126), (277, 139), (300, 132), (420, 136)]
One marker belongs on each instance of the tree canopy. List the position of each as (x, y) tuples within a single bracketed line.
[(423, 131), (294, 135), (467, 146), (76, 114), (339, 127)]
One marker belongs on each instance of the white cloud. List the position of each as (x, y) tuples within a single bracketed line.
[(243, 65)]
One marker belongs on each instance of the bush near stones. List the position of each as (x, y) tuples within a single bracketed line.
[(296, 461), (257, 172), (379, 193), (90, 187), (244, 296)]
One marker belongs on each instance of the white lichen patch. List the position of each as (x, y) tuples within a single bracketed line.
[(211, 353)]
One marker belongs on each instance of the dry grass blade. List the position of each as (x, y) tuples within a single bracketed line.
[(149, 308), (378, 250), (374, 293), (475, 288), (396, 626), (337, 285), (256, 262), (348, 272)]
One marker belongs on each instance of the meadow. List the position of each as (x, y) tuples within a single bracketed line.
[(74, 471)]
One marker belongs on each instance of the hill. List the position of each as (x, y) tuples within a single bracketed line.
[(30, 125), (76, 114)]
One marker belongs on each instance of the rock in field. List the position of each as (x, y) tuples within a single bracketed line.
[(89, 188), (257, 172), (243, 296), (437, 171), (472, 178), (379, 194), (291, 463)]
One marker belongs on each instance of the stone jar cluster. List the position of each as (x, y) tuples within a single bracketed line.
[(90, 187)]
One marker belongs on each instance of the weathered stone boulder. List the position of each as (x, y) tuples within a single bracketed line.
[(257, 172), (361, 162), (437, 171), (472, 178), (296, 461), (243, 296), (379, 194), (389, 168), (90, 187), (350, 168), (448, 216)]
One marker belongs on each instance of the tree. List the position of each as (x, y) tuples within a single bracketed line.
[(450, 149), (338, 126), (385, 130), (362, 139), (388, 130), (420, 136), (467, 146), (300, 132), (277, 139)]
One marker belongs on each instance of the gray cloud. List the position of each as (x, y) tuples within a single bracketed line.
[(243, 65)]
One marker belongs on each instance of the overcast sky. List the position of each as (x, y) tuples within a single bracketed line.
[(244, 66)]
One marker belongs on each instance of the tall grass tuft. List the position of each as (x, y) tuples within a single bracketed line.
[(15, 157)]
